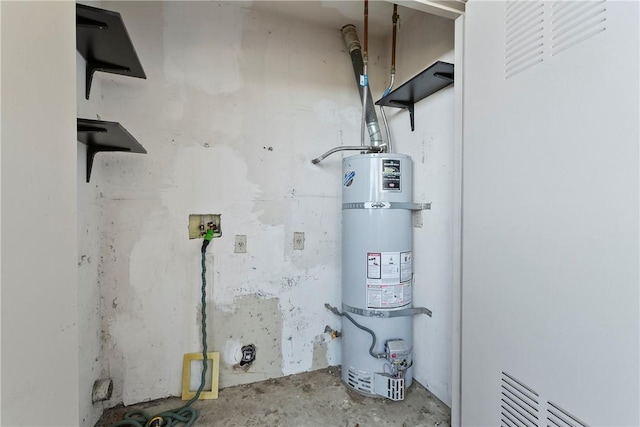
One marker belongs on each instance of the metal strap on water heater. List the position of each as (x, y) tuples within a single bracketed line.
[(387, 313), (387, 205)]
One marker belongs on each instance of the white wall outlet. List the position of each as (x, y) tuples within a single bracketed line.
[(241, 244), (298, 241), (417, 219)]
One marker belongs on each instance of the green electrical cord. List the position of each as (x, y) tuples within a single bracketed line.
[(185, 414)]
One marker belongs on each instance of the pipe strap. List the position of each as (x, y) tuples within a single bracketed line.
[(387, 205), (387, 313)]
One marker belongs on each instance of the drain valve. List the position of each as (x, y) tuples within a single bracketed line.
[(332, 332)]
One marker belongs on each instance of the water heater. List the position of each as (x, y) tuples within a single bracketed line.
[(377, 274)]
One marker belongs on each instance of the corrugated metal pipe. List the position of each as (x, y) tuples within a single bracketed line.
[(352, 43)]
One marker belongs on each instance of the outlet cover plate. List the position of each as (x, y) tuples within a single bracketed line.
[(240, 244)]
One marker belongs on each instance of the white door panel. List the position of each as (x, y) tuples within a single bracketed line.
[(550, 256)]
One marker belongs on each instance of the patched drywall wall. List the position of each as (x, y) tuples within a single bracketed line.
[(235, 106), (423, 40), (255, 320)]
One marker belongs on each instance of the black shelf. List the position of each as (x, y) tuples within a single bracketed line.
[(103, 41), (436, 77), (100, 136)]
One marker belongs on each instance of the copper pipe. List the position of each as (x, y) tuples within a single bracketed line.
[(395, 32), (365, 78), (366, 27), (394, 19)]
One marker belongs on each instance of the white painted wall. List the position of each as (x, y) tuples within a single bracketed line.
[(456, 285), (0, 215), (90, 233), (39, 242), (424, 39), (235, 106)]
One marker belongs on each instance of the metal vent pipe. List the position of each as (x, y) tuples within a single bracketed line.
[(351, 41)]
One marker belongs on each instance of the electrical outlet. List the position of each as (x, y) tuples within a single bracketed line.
[(298, 241), (417, 219), (200, 224), (241, 244)]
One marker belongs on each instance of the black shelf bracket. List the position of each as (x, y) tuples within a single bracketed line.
[(436, 77), (91, 153), (101, 136), (103, 41), (445, 76), (93, 66), (408, 106), (83, 22)]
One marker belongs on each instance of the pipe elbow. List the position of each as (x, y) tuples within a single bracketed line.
[(350, 35)]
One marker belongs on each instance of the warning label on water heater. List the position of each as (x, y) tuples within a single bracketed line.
[(390, 175), (389, 279), (374, 270)]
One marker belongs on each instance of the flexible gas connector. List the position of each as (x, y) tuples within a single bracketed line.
[(359, 326)]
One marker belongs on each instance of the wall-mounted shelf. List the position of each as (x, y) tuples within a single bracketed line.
[(100, 136), (103, 41), (436, 77)]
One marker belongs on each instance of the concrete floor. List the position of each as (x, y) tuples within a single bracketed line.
[(309, 399)]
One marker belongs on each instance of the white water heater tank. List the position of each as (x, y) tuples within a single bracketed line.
[(377, 273)]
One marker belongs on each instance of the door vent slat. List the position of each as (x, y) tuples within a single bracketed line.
[(518, 403), (535, 31), (576, 22), (553, 423), (559, 417), (520, 386), (519, 396), (524, 31), (513, 16), (506, 423), (518, 413), (525, 408)]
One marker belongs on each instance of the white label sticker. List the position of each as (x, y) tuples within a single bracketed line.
[(406, 268), (373, 265), (390, 267), (389, 279), (388, 296)]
